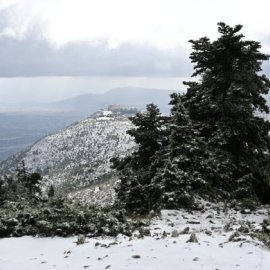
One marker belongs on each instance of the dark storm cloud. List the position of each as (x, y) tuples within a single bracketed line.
[(32, 57)]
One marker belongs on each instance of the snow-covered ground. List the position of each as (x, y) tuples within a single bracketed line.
[(167, 247)]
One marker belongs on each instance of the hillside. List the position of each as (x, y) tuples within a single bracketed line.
[(21, 127), (76, 156)]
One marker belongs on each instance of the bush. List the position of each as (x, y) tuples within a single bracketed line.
[(60, 217)]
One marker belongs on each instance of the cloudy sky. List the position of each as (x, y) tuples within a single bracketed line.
[(52, 49)]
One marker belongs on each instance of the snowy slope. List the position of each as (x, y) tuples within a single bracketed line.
[(164, 249), (77, 155)]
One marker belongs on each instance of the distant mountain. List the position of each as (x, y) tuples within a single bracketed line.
[(78, 155), (135, 96)]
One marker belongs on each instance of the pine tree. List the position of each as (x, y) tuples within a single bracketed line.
[(214, 143), (223, 105), (180, 163), (135, 175), (29, 184)]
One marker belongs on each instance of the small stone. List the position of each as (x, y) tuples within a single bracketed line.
[(108, 266), (243, 229), (235, 237), (195, 259), (193, 221), (112, 244), (81, 239), (136, 256), (174, 233), (164, 234), (193, 238), (185, 231), (144, 232)]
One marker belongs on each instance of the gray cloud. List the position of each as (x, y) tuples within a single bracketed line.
[(33, 57)]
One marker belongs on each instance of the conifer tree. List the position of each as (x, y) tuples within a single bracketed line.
[(135, 175), (180, 163), (223, 106), (29, 184), (214, 143)]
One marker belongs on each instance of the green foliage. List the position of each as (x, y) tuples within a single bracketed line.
[(29, 184), (62, 217), (213, 144), (136, 173), (222, 106)]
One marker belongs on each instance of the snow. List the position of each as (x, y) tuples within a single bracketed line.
[(153, 252), (78, 155), (62, 253)]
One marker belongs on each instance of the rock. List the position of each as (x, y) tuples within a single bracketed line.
[(81, 239), (195, 259), (243, 229), (136, 256), (228, 227), (193, 238), (194, 221), (164, 234), (235, 237), (144, 231), (175, 233), (112, 244), (185, 231)]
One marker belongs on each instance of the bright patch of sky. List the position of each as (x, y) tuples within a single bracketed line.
[(163, 23), (56, 44)]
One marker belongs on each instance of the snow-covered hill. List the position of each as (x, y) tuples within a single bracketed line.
[(78, 155)]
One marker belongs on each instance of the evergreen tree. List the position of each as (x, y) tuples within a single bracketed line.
[(223, 105), (29, 184), (8, 189), (135, 175), (214, 143), (180, 163)]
